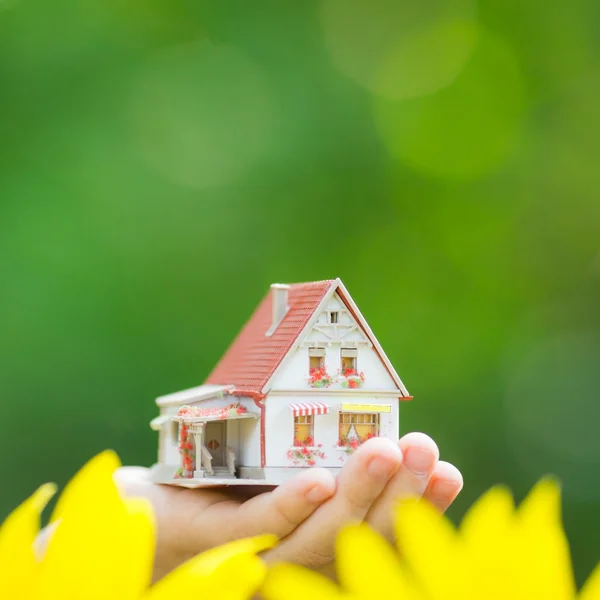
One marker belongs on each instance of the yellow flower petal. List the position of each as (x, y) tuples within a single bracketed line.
[(239, 578), (99, 543), (17, 537), (591, 589), (488, 535), (431, 547), (292, 582), (488, 518), (101, 466), (360, 553), (231, 572), (139, 541), (542, 546)]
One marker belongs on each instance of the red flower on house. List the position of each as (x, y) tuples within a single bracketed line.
[(304, 454), (352, 379), (350, 445), (220, 412), (319, 378)]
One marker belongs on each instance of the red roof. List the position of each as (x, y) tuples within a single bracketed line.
[(253, 357)]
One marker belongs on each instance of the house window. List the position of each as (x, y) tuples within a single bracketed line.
[(333, 316), (303, 430), (348, 356), (316, 358), (359, 426)]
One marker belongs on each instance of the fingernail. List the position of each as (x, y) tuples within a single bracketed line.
[(419, 461), (317, 494), (444, 488), (382, 468)]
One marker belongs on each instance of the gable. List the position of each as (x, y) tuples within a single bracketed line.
[(350, 330), (261, 350)]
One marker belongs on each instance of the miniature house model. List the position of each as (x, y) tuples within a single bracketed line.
[(303, 384)]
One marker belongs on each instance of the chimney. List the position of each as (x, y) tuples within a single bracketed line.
[(279, 294)]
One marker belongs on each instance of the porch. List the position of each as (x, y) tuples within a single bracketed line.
[(204, 448)]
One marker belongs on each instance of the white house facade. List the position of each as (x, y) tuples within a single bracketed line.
[(304, 384)]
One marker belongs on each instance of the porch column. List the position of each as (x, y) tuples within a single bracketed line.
[(197, 430)]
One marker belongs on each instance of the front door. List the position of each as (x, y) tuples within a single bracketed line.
[(215, 441)]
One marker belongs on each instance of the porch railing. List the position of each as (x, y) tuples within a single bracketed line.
[(230, 458), (207, 460)]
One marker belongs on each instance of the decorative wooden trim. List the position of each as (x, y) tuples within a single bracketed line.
[(320, 330), (336, 332), (353, 328), (356, 392)]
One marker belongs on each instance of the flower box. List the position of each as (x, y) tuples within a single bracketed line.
[(319, 378), (305, 454), (350, 445), (351, 379)]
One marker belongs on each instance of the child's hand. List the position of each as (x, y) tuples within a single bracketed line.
[(305, 513)]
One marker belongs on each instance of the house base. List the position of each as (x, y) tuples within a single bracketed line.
[(269, 476)]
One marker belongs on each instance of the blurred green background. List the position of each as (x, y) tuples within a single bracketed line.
[(163, 162)]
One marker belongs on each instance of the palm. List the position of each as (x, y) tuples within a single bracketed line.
[(306, 512)]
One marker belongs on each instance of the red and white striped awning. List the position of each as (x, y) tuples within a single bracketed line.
[(309, 408)]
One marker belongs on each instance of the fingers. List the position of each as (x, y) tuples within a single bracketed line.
[(278, 512), (359, 484), (420, 457), (445, 484), (283, 509)]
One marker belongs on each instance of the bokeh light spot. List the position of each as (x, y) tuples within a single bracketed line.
[(400, 50), (202, 114), (426, 60), (467, 129)]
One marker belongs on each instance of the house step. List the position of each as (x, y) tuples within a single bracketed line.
[(222, 473)]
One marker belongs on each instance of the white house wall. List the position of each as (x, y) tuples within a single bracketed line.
[(249, 450), (291, 386), (170, 439), (280, 425)]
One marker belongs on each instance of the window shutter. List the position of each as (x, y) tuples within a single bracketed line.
[(316, 351), (349, 352)]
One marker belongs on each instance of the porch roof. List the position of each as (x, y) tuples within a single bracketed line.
[(196, 394), (207, 418), (157, 423)]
